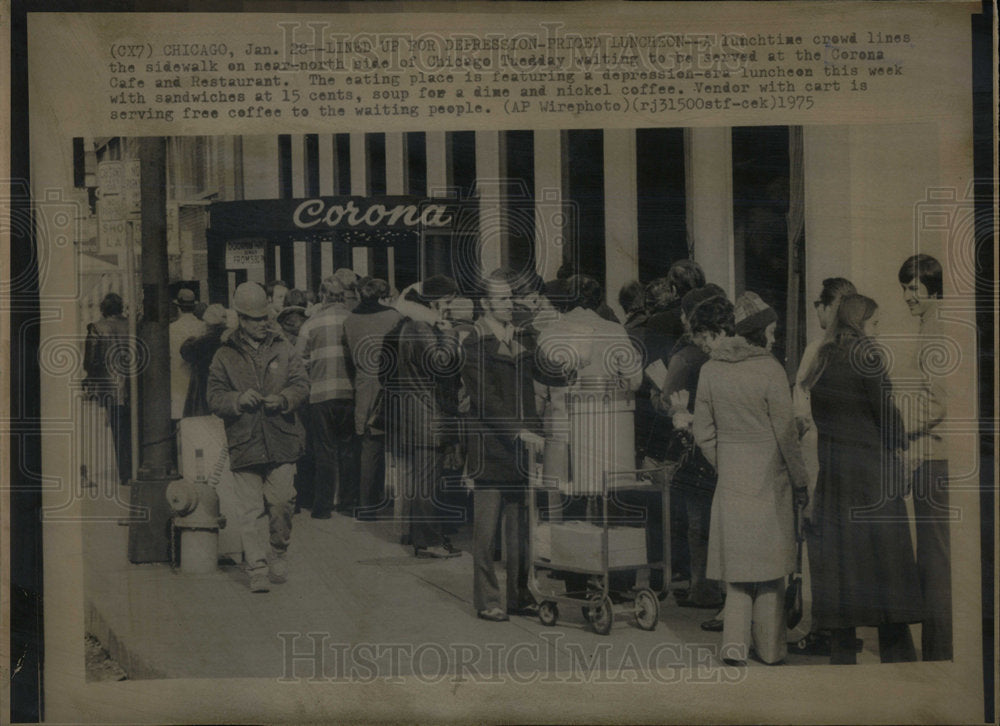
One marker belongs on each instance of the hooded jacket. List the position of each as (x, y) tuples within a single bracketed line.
[(744, 424)]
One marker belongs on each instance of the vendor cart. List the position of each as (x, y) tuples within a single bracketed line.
[(573, 557)]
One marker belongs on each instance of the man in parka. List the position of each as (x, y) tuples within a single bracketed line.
[(255, 384)]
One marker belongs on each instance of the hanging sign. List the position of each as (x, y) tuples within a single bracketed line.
[(244, 254)]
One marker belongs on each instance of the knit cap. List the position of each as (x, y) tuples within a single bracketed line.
[(696, 297), (752, 313)]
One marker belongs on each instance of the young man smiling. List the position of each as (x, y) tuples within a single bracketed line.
[(921, 279), (498, 377)]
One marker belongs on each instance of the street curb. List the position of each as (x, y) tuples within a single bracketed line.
[(131, 662)]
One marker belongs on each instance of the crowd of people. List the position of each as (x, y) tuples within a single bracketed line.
[(373, 404)]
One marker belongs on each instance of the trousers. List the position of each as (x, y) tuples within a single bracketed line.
[(335, 481), (931, 512), (371, 494), (305, 466), (120, 421), (490, 506), (754, 615), (266, 500), (699, 513), (895, 645), (419, 499)]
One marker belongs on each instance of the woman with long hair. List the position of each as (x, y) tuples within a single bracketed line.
[(834, 290), (867, 574)]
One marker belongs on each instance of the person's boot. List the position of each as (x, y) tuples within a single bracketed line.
[(278, 571), (259, 581)]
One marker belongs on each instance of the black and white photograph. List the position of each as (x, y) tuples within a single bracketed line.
[(406, 415)]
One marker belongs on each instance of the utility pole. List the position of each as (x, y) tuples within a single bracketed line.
[(149, 539)]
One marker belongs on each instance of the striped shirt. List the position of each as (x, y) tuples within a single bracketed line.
[(321, 345)]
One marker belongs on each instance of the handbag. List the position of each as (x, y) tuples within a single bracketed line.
[(693, 469), (793, 593)]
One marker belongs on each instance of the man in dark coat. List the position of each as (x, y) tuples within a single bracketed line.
[(198, 351), (255, 384), (663, 329), (498, 377), (421, 399), (694, 487)]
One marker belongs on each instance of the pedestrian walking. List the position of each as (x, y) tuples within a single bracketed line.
[(256, 383)]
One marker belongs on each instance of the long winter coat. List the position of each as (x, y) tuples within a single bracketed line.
[(105, 355), (867, 574), (498, 381), (744, 425), (421, 395), (258, 437)]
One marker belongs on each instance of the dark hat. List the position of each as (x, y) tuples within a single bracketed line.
[(288, 310), (185, 299), (752, 313), (696, 297), (437, 287)]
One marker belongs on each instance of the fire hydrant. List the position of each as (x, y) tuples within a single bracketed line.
[(196, 515)]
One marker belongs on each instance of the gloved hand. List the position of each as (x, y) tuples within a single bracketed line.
[(801, 497)]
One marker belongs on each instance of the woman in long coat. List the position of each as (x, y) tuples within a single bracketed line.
[(744, 425), (868, 575)]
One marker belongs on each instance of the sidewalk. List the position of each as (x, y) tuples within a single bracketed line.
[(356, 603)]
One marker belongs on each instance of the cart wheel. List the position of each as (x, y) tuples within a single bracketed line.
[(602, 615), (548, 613), (647, 609)]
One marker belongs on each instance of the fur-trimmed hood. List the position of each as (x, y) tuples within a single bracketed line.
[(735, 349)]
